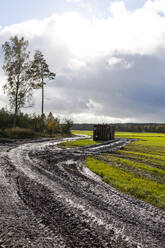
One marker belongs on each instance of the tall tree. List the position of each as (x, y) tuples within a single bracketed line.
[(41, 73), (17, 66)]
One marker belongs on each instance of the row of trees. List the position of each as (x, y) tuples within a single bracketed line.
[(37, 123), (128, 127), (23, 75)]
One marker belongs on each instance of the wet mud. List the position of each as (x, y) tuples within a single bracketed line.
[(49, 198)]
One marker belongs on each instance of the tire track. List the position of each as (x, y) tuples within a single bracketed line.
[(72, 207)]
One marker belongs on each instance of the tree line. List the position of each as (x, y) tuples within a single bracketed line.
[(127, 127), (32, 125)]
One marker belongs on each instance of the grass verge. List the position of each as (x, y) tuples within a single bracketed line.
[(130, 183), (138, 169), (82, 132), (26, 133), (79, 143)]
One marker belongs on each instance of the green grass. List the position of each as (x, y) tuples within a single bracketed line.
[(26, 133), (77, 143), (142, 188), (138, 169), (82, 132), (83, 142), (150, 143), (17, 133), (138, 135), (141, 169)]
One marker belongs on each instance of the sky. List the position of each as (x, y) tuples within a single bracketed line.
[(108, 56)]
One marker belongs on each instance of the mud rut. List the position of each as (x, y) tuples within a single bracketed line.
[(49, 198)]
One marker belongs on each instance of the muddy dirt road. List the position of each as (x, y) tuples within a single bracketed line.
[(48, 198)]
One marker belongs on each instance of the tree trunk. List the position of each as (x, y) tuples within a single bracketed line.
[(15, 119), (16, 108), (42, 110)]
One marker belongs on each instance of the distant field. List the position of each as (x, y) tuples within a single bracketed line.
[(82, 132), (138, 169), (86, 142)]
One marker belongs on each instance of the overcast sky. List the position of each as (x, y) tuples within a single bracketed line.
[(109, 56)]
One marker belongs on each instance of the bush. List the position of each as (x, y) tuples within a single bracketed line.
[(19, 133), (6, 119), (28, 125), (67, 126), (52, 124)]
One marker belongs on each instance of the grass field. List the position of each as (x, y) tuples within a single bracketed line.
[(138, 169), (82, 132), (83, 142), (86, 142)]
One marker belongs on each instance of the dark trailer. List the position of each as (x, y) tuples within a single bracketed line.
[(103, 132)]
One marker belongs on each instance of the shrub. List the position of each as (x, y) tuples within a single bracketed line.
[(67, 126), (19, 133), (28, 125)]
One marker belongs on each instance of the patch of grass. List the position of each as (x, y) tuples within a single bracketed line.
[(79, 143), (18, 133), (150, 143), (155, 160), (141, 169), (82, 132), (25, 133), (138, 135), (142, 188), (138, 169)]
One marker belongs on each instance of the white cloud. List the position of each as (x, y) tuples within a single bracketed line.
[(75, 64), (115, 61), (92, 118), (118, 8), (156, 6), (139, 31), (86, 6), (88, 55)]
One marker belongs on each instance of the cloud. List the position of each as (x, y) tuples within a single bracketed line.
[(118, 8), (119, 62), (155, 6), (109, 69)]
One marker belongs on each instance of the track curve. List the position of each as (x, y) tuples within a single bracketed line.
[(53, 200)]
